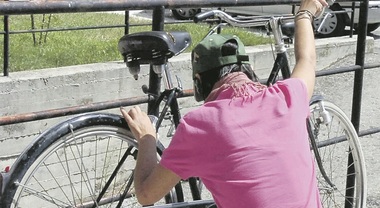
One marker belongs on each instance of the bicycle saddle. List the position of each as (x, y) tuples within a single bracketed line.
[(152, 47)]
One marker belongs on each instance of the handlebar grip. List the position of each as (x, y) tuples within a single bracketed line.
[(202, 16)]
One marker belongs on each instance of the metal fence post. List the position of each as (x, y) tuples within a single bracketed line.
[(158, 21), (357, 93), (126, 22), (6, 46)]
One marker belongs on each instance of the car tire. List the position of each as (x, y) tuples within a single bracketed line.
[(185, 14), (334, 24)]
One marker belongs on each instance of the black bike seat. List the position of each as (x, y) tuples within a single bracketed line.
[(149, 47)]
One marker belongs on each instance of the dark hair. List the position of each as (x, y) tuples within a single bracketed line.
[(210, 77)]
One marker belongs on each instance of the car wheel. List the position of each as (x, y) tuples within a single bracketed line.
[(333, 25), (185, 14)]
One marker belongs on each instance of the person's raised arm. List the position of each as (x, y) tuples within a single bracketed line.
[(304, 45)]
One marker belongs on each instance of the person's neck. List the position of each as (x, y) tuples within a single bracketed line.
[(235, 79)]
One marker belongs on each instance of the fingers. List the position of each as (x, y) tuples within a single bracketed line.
[(324, 3), (126, 115), (138, 122), (132, 113)]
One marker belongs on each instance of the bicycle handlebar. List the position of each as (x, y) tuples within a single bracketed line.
[(251, 21), (203, 16)]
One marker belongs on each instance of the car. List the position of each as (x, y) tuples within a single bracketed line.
[(185, 13), (339, 15)]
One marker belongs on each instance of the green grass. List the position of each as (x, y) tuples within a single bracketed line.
[(65, 48)]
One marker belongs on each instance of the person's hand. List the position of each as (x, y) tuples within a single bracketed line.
[(316, 7), (138, 122)]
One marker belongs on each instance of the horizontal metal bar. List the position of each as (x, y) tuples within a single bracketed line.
[(43, 7), (341, 70), (40, 115), (373, 130), (65, 29), (89, 27), (53, 113), (343, 138), (186, 204), (53, 6)]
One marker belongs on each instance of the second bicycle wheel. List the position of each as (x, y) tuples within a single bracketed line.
[(70, 166), (339, 151)]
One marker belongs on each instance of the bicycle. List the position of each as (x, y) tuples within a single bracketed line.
[(88, 160)]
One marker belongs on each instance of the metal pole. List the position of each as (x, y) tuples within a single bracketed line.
[(126, 22), (158, 20), (51, 6), (360, 58), (357, 95), (352, 19), (6, 46)]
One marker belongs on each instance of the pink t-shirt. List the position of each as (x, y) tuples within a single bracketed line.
[(250, 150)]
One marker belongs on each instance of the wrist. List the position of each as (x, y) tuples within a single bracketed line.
[(304, 14), (316, 10), (147, 137)]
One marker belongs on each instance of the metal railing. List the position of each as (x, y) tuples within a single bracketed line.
[(158, 7)]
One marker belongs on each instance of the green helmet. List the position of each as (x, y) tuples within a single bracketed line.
[(207, 54)]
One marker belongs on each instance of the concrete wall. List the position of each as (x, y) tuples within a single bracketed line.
[(30, 91)]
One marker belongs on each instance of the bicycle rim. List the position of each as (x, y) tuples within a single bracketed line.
[(75, 168), (336, 140)]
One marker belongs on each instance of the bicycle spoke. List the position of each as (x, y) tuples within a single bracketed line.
[(79, 166), (66, 169), (55, 180), (43, 196)]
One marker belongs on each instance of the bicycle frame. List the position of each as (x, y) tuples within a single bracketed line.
[(168, 99)]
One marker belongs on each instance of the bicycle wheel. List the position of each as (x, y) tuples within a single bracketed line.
[(336, 139), (70, 165)]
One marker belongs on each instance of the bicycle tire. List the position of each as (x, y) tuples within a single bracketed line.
[(335, 140), (68, 166)]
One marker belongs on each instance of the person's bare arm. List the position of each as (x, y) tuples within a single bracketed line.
[(152, 181), (304, 43)]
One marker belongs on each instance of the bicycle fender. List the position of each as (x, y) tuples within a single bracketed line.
[(315, 98), (4, 178)]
